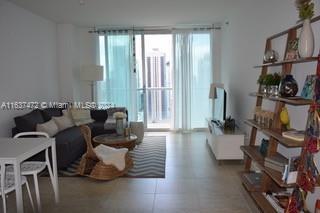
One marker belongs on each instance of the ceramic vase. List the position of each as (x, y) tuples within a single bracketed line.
[(119, 126), (288, 86), (306, 40)]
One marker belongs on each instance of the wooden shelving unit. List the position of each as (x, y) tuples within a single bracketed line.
[(271, 179)]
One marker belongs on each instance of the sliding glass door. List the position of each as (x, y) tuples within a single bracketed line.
[(154, 63), (163, 78)]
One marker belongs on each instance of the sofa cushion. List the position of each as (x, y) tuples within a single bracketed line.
[(80, 116), (48, 113), (99, 114), (28, 122), (63, 122), (49, 127)]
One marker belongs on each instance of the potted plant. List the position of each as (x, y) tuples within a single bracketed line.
[(262, 86), (306, 38), (274, 84), (267, 81)]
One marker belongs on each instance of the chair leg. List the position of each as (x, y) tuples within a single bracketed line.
[(30, 197), (49, 168), (36, 187), (4, 203), (50, 172)]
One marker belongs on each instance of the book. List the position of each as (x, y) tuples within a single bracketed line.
[(291, 171), (279, 201), (309, 87), (274, 166), (277, 159), (253, 178), (297, 135)]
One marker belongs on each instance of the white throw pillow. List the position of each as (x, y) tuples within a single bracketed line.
[(49, 127), (63, 122), (81, 116), (67, 112)]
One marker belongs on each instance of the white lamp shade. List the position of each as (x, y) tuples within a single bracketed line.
[(213, 92), (91, 73)]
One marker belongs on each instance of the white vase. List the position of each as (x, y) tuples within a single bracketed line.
[(306, 40)]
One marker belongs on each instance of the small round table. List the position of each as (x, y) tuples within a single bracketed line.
[(116, 141)]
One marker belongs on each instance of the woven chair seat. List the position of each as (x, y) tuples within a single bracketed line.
[(92, 166)]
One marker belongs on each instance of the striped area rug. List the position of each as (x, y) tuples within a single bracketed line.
[(149, 159)]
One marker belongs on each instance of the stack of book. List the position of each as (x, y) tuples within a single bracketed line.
[(279, 201), (276, 162)]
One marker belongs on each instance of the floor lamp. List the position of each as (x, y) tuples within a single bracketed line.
[(91, 73)]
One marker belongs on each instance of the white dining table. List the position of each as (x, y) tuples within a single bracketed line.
[(16, 150)]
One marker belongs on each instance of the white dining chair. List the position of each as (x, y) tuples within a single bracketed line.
[(34, 167), (7, 185)]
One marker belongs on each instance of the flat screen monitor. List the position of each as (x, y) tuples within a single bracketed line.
[(219, 112)]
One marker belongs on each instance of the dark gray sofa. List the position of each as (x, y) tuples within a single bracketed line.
[(70, 143)]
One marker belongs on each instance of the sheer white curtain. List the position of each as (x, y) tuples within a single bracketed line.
[(119, 86), (192, 78)]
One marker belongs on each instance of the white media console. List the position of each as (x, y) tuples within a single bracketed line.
[(224, 145)]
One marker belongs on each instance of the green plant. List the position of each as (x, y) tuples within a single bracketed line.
[(261, 79), (268, 80), (305, 8), (276, 79)]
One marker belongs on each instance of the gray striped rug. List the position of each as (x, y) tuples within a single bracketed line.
[(149, 159)]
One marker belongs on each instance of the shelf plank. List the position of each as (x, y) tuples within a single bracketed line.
[(296, 101), (253, 153), (296, 61), (275, 134), (262, 202), (246, 183)]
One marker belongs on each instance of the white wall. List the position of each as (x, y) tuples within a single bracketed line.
[(28, 60), (86, 54), (243, 47), (76, 47)]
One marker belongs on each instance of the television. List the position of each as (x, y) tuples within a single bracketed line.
[(220, 103)]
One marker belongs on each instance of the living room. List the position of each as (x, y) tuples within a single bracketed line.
[(46, 44)]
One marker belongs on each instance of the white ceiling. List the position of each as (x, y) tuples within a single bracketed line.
[(130, 12)]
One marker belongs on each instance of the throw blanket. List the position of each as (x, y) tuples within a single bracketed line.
[(113, 156)]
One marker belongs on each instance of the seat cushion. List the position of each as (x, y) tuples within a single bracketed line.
[(28, 122), (70, 146), (97, 128), (29, 167)]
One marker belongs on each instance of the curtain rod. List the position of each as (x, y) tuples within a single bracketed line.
[(104, 30)]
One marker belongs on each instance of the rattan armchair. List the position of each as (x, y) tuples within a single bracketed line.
[(92, 166)]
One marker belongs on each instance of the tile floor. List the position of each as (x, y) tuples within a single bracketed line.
[(194, 182)]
